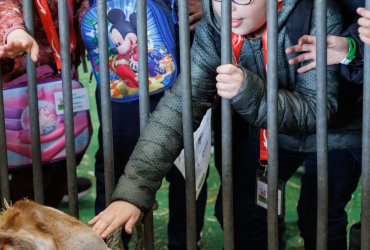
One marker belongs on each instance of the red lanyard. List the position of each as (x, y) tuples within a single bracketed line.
[(50, 30), (237, 43), (263, 132)]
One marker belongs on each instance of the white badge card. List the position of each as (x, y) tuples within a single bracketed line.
[(80, 101), (261, 191), (202, 149)]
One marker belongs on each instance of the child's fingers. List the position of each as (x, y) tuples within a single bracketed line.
[(299, 48), (130, 225), (363, 22), (307, 39), (110, 229), (364, 31), (227, 69), (34, 51), (301, 58), (363, 12), (94, 220), (307, 67), (224, 94), (101, 226)]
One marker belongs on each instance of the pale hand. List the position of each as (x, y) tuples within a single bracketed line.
[(229, 80), (117, 214), (17, 42), (364, 22), (337, 50)]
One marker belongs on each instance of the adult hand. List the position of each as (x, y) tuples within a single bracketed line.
[(337, 49), (195, 13), (229, 80), (118, 213), (364, 22), (17, 42)]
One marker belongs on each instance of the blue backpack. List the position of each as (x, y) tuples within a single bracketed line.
[(123, 52)]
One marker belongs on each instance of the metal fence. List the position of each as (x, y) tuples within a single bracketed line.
[(227, 182)]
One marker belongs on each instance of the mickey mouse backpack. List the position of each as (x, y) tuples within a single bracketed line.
[(123, 51)]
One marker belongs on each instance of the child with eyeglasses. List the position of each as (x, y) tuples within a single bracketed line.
[(244, 85)]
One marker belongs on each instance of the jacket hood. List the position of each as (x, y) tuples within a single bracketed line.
[(212, 17)]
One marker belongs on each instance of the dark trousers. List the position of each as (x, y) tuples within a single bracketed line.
[(126, 129), (54, 181), (250, 220), (344, 168), (177, 206)]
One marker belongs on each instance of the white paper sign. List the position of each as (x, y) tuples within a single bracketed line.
[(80, 99), (202, 149)]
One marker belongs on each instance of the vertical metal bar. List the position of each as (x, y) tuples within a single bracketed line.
[(226, 140), (4, 179), (143, 62), (321, 127), (187, 125), (365, 201), (106, 110), (272, 121), (68, 108), (33, 109), (144, 100)]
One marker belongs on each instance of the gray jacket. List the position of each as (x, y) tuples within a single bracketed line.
[(161, 141)]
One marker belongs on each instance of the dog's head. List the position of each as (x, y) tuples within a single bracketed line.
[(29, 225)]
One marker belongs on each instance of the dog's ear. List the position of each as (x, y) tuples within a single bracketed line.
[(8, 241)]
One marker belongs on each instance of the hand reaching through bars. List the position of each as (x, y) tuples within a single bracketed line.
[(337, 49), (118, 213), (229, 80), (364, 23), (19, 41)]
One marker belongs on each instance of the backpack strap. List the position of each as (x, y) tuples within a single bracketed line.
[(298, 23)]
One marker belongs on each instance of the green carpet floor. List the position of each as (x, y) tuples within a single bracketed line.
[(212, 234)]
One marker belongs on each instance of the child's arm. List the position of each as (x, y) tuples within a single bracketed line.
[(364, 23), (13, 37), (17, 42)]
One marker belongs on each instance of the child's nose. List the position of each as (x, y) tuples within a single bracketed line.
[(233, 6)]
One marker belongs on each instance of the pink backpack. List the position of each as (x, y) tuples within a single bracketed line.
[(51, 119)]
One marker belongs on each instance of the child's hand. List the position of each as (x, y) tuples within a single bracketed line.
[(229, 80), (115, 215), (337, 49), (364, 23), (17, 42)]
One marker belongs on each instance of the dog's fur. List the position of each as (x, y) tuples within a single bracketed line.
[(29, 225)]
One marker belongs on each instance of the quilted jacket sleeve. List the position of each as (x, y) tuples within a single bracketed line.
[(161, 141), (11, 18), (296, 103)]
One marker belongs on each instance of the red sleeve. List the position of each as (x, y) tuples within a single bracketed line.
[(11, 18)]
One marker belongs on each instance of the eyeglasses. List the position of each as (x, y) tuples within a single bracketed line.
[(239, 2)]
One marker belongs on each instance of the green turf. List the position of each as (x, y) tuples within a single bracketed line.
[(212, 236)]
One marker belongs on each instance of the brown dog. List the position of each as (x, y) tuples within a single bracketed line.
[(29, 225)]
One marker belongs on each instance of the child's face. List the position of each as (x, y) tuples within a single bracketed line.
[(245, 19)]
